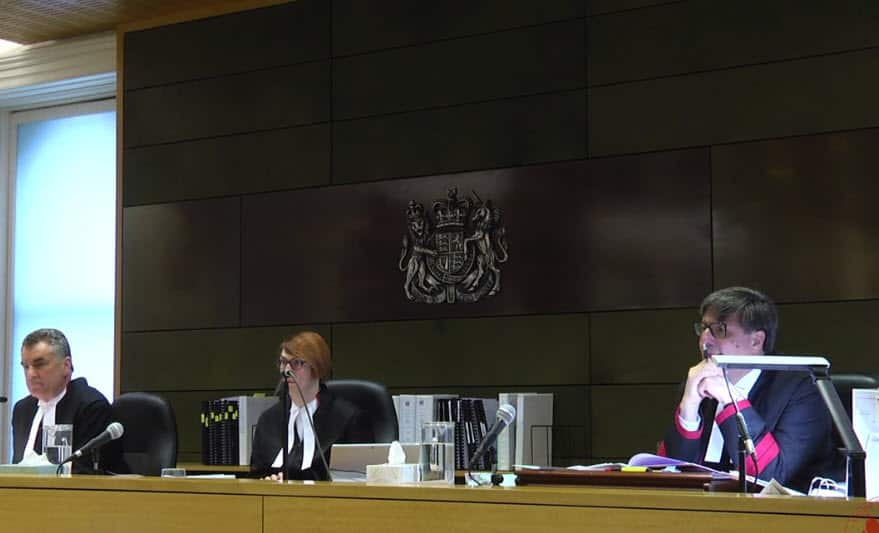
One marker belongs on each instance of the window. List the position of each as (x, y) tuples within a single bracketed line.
[(50, 76), (62, 237)]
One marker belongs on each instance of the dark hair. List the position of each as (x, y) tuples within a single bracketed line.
[(752, 309), (54, 338)]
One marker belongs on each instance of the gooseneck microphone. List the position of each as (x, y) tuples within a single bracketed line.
[(113, 432), (287, 373), (505, 416)]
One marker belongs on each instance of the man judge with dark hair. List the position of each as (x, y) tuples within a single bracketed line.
[(788, 421)]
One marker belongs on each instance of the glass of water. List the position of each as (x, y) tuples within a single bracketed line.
[(438, 452), (58, 444)]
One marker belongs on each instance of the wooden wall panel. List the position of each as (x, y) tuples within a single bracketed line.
[(630, 347), (205, 359), (685, 37), (797, 217), (220, 166), (360, 27), (492, 134), (844, 332), (265, 99), (599, 7), (757, 102), (601, 247), (628, 419), (608, 256), (518, 62), (534, 350), (239, 42), (181, 265)]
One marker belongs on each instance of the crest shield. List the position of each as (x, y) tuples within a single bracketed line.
[(453, 256)]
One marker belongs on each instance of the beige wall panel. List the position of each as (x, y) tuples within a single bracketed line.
[(642, 346), (204, 359), (845, 332), (774, 100), (683, 37), (86, 510), (629, 419), (534, 350)]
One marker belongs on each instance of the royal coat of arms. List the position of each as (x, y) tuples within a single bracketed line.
[(452, 253)]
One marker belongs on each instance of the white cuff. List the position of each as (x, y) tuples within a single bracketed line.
[(688, 425)]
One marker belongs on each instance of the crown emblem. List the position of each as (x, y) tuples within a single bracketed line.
[(451, 213)]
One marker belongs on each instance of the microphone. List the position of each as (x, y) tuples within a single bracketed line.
[(505, 416), (288, 373), (746, 435), (113, 432)]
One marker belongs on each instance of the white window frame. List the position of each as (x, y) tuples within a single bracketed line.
[(44, 75)]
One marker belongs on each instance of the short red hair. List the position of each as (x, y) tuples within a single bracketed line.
[(311, 348)]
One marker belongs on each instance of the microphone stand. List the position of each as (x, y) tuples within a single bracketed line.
[(746, 445), (496, 479), (320, 449), (96, 461), (285, 405), (743, 457)]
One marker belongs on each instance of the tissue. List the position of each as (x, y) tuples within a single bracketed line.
[(396, 470)]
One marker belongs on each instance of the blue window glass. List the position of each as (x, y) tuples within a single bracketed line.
[(63, 248)]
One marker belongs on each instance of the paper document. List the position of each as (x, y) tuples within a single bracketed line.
[(650, 461)]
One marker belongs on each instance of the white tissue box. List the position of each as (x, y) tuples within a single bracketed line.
[(387, 473)]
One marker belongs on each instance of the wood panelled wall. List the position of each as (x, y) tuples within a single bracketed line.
[(642, 153)]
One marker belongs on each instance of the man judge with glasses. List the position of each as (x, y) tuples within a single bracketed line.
[(786, 417)]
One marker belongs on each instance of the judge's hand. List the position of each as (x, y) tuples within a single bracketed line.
[(698, 388), (275, 477), (715, 387)]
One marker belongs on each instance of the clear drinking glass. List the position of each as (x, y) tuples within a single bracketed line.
[(58, 444), (437, 458)]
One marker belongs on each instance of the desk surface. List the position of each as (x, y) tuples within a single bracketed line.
[(157, 504)]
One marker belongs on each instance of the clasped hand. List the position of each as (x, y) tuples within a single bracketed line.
[(704, 380)]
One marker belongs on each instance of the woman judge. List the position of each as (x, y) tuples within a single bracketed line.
[(307, 357)]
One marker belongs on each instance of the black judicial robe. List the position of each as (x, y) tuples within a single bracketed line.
[(335, 420)]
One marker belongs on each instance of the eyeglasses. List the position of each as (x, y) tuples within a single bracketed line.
[(718, 329), (294, 364)]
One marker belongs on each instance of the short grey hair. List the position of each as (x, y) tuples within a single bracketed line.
[(54, 338)]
